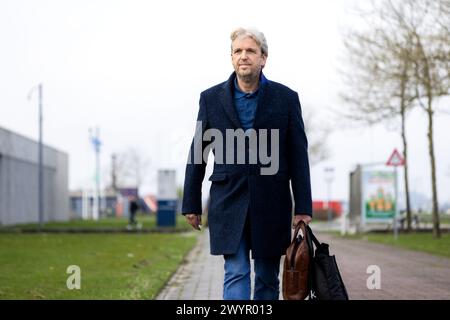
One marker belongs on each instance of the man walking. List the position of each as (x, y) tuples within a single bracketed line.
[(250, 207)]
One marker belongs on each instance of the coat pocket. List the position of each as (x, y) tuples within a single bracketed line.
[(217, 177)]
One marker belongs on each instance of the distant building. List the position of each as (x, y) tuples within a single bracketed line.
[(82, 204), (19, 172), (112, 204), (321, 208)]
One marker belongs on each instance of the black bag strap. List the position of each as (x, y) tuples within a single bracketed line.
[(308, 236), (312, 236)]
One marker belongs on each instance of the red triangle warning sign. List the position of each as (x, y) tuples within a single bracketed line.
[(395, 159)]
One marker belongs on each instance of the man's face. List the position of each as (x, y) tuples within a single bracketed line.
[(247, 58)]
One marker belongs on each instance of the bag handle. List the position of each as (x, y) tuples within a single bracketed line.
[(300, 225), (308, 235), (306, 229)]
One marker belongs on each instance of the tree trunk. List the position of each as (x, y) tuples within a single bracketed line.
[(428, 86), (436, 229), (404, 82), (405, 156)]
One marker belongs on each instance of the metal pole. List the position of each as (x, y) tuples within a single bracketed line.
[(97, 172), (95, 140), (113, 173), (41, 169), (84, 204), (343, 223), (328, 202), (396, 207), (329, 178)]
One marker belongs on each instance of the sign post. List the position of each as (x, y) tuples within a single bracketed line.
[(396, 160)]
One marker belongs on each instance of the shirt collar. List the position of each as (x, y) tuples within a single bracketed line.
[(239, 94)]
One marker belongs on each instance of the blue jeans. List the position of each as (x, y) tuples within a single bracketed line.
[(237, 275)]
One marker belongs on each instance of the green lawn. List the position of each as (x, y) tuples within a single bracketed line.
[(113, 266), (420, 241), (148, 222), (428, 218)]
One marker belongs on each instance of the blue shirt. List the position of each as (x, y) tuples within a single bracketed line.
[(246, 104)]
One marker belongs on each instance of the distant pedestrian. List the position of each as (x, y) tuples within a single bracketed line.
[(133, 208)]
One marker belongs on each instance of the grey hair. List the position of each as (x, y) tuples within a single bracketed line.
[(255, 34)]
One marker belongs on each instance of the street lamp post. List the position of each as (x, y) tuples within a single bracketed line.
[(329, 171), (95, 140), (40, 159)]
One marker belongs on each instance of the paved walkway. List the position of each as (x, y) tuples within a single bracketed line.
[(405, 274)]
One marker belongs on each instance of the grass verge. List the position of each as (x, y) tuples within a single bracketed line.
[(113, 266), (147, 222)]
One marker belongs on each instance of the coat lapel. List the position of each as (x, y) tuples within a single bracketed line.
[(262, 109), (226, 98)]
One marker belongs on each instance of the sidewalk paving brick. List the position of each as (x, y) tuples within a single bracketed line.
[(405, 274)]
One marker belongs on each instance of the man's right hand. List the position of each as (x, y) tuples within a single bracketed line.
[(195, 220)]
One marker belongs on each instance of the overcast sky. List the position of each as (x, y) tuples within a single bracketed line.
[(136, 69)]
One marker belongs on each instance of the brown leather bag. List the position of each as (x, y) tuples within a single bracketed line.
[(297, 266)]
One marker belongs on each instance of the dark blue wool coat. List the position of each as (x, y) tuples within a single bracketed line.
[(239, 191)]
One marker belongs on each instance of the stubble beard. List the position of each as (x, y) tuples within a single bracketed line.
[(247, 76)]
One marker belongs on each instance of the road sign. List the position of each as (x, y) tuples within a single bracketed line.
[(395, 159)]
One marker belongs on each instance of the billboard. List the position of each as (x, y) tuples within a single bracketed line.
[(378, 191)]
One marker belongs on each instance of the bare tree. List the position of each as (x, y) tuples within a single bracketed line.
[(131, 168), (431, 63), (400, 61), (378, 79), (317, 133)]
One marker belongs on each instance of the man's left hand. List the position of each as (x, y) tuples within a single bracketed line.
[(306, 218)]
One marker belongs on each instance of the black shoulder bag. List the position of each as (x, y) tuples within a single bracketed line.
[(326, 281)]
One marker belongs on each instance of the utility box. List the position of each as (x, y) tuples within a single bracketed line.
[(167, 198), (355, 200)]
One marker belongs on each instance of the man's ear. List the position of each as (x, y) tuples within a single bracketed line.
[(264, 64), (264, 57)]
